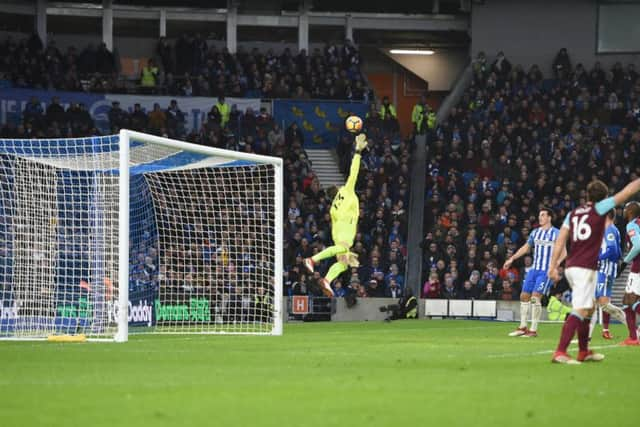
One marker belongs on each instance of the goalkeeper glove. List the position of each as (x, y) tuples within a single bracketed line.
[(361, 143)]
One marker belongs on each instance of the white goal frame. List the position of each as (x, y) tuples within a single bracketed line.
[(123, 159), (123, 269)]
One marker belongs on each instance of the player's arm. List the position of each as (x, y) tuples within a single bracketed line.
[(611, 250), (559, 247), (563, 256), (604, 206), (524, 249), (361, 144), (633, 231)]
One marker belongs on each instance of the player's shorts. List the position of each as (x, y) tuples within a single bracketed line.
[(604, 285), (344, 233), (536, 281), (633, 284), (583, 286)]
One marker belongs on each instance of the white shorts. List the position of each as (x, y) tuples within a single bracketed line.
[(633, 284), (583, 286)]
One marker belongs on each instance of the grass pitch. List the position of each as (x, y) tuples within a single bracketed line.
[(436, 373)]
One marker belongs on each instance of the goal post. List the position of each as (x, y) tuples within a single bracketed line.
[(104, 236)]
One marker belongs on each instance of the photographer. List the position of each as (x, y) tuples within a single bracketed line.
[(407, 307)]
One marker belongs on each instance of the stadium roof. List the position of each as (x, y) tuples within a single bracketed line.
[(371, 6)]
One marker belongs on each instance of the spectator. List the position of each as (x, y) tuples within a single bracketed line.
[(393, 290), (562, 64), (418, 113), (175, 120), (139, 118), (157, 120), (149, 77), (374, 289), (449, 290), (389, 116), (118, 118), (224, 110), (431, 288), (468, 291)]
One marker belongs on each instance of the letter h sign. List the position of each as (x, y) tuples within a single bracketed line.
[(299, 304)]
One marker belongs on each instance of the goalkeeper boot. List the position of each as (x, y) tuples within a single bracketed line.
[(326, 287), (309, 264)]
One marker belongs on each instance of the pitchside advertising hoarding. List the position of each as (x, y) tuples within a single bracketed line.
[(195, 108), (144, 309)]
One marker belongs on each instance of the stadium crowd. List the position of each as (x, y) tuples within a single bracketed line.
[(188, 67), (518, 141), (383, 186)]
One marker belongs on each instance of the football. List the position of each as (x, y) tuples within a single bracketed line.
[(353, 124)]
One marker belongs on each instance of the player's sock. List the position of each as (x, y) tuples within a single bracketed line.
[(572, 323), (583, 334), (336, 269), (615, 311), (328, 253), (631, 322), (606, 317), (536, 312), (524, 313), (592, 325)]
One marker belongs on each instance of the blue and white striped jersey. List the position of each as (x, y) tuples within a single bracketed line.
[(610, 252), (542, 242)]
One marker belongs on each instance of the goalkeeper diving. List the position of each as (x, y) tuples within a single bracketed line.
[(345, 210)]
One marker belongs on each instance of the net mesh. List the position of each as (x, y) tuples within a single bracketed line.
[(201, 240)]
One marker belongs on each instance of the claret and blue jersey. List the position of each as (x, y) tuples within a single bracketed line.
[(541, 241), (633, 235)]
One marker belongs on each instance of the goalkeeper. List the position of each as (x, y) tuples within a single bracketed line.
[(345, 210)]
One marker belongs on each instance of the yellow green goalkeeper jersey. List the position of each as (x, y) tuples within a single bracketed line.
[(345, 208)]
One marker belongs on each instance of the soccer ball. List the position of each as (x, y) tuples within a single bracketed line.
[(353, 124)]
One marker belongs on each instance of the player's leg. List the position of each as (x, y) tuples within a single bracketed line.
[(609, 310), (631, 303), (542, 287), (585, 305), (601, 285), (342, 234), (336, 269), (525, 304), (592, 323), (329, 252), (582, 282)]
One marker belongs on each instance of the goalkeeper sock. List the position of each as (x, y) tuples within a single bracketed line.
[(336, 269), (536, 313), (331, 251), (524, 313)]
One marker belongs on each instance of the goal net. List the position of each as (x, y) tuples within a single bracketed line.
[(132, 232)]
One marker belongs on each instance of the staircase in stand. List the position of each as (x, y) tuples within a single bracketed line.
[(325, 166)]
